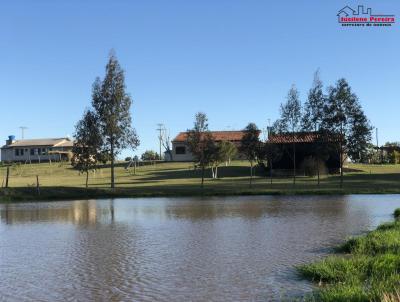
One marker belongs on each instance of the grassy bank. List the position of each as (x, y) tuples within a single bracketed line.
[(367, 270), (61, 181)]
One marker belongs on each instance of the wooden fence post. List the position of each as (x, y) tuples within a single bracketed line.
[(7, 175), (37, 185)]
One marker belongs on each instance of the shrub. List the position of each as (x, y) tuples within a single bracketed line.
[(377, 242), (310, 167), (150, 155), (393, 157), (335, 269)]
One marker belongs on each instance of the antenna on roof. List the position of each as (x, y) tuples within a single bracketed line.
[(23, 128)]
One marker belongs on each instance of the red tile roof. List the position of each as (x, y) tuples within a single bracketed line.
[(217, 135), (289, 138)]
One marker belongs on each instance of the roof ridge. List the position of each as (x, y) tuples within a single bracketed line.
[(43, 138), (219, 135), (217, 131), (59, 141)]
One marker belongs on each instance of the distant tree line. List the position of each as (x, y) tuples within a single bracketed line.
[(389, 153)]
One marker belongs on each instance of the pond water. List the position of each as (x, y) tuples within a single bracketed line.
[(175, 249)]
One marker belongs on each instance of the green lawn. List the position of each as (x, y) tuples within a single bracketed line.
[(61, 181)]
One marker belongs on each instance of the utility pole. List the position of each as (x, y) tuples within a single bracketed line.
[(160, 137), (265, 133), (377, 146), (23, 128), (268, 128)]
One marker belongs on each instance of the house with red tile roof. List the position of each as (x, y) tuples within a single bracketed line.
[(181, 152)]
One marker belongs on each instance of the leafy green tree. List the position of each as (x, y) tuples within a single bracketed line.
[(201, 143), (314, 106), (87, 144), (313, 117), (150, 155), (346, 122), (216, 160), (250, 145), (112, 106), (389, 153), (223, 152), (395, 157), (360, 133), (290, 121), (228, 151)]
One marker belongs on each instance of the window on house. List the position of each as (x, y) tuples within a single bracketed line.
[(180, 150), (32, 151), (16, 152), (21, 152)]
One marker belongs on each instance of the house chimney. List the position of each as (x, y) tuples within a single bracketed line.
[(11, 139)]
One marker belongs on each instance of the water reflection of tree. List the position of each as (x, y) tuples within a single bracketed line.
[(256, 207), (195, 209), (90, 212), (108, 261), (77, 212)]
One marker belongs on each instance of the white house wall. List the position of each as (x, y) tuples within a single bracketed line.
[(188, 156), (8, 155)]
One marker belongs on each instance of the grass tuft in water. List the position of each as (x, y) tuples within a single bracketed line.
[(396, 213), (370, 271)]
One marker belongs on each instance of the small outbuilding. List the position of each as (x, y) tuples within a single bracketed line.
[(306, 146)]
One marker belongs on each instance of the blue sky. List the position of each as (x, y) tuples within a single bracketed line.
[(234, 60)]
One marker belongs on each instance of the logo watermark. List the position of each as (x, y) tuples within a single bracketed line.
[(348, 16)]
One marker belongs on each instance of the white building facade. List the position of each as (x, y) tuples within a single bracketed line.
[(36, 150)]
